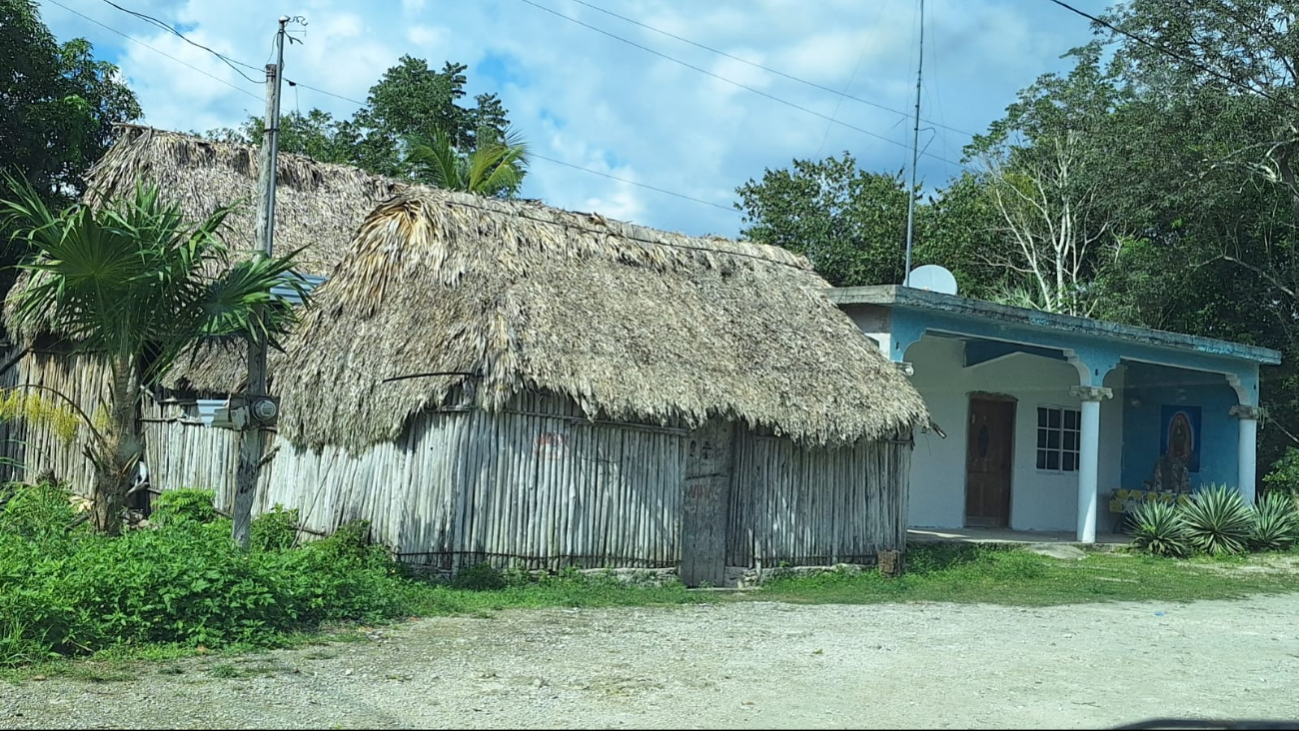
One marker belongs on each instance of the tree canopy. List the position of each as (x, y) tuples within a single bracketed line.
[(60, 103), (409, 102)]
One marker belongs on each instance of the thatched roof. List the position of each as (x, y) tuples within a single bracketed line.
[(318, 208), (317, 205), (632, 323)]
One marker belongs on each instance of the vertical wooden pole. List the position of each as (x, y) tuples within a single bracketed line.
[(252, 438)]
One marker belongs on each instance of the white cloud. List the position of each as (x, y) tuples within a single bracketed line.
[(426, 36), (596, 102)]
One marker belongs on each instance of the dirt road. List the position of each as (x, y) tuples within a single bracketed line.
[(742, 665)]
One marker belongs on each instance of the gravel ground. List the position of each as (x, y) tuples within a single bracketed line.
[(740, 665)]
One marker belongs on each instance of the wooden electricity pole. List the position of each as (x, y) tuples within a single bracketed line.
[(252, 434)]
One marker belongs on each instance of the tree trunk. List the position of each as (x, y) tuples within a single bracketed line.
[(119, 453)]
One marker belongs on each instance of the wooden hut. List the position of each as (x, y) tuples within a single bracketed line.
[(318, 209), (502, 381)]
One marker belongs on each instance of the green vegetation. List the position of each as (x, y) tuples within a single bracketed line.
[(1158, 529), (1276, 524), (134, 285), (60, 104), (1216, 522), (410, 100), (75, 592), (971, 573), (180, 586)]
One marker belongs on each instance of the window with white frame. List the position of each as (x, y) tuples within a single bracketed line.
[(1058, 437)]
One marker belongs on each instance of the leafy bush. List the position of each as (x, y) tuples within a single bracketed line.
[(1275, 525), (1284, 475), (188, 504), (274, 531), (479, 577), (35, 512), (1158, 529), (1218, 521), (184, 582)]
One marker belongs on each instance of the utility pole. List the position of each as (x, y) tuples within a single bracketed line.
[(915, 152), (252, 435)]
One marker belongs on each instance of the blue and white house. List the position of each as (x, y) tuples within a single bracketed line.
[(1038, 419)]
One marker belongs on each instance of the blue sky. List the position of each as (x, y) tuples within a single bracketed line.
[(588, 100)]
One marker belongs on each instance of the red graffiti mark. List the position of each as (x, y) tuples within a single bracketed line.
[(553, 443)]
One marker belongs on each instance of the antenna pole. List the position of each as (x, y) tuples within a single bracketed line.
[(915, 152)]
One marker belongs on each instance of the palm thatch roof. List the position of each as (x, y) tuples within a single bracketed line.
[(317, 205), (318, 208), (445, 294)]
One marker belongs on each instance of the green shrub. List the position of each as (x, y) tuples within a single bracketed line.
[(479, 577), (183, 583), (1284, 475), (1217, 521), (1275, 524), (187, 504), (1159, 529), (36, 512), (274, 531)]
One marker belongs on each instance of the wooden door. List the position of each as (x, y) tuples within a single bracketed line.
[(708, 482), (989, 458)]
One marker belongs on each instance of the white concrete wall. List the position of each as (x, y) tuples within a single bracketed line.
[(1040, 500), (875, 322)]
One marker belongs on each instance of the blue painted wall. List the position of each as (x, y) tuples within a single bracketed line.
[(1158, 386)]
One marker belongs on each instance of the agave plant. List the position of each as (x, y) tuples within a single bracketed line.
[(1218, 520), (1158, 529), (1276, 524)]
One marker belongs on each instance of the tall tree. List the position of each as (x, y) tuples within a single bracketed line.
[(1045, 173), (850, 223), (410, 102), (134, 285), (1211, 162), (60, 103)]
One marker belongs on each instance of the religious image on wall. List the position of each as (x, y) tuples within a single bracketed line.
[(1179, 435)]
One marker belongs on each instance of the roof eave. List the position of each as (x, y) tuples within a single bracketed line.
[(893, 295)]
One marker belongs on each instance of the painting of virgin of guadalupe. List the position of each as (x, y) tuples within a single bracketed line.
[(1180, 435)]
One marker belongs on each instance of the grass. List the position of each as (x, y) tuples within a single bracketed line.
[(978, 574)]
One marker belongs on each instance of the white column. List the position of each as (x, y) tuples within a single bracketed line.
[(1246, 449), (1089, 458)]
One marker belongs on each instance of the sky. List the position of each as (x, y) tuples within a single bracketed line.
[(585, 99)]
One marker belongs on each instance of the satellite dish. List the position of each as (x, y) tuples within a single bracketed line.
[(933, 278)]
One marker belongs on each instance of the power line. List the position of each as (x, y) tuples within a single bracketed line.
[(296, 84), (633, 182), (733, 83), (830, 125), (155, 50), (293, 83), (1174, 54), (841, 94), (154, 21)]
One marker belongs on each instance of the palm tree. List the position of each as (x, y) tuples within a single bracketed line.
[(493, 168), (133, 285)]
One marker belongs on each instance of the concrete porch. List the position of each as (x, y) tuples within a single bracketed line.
[(1006, 535)]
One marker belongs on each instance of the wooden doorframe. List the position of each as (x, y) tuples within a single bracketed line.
[(971, 397)]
